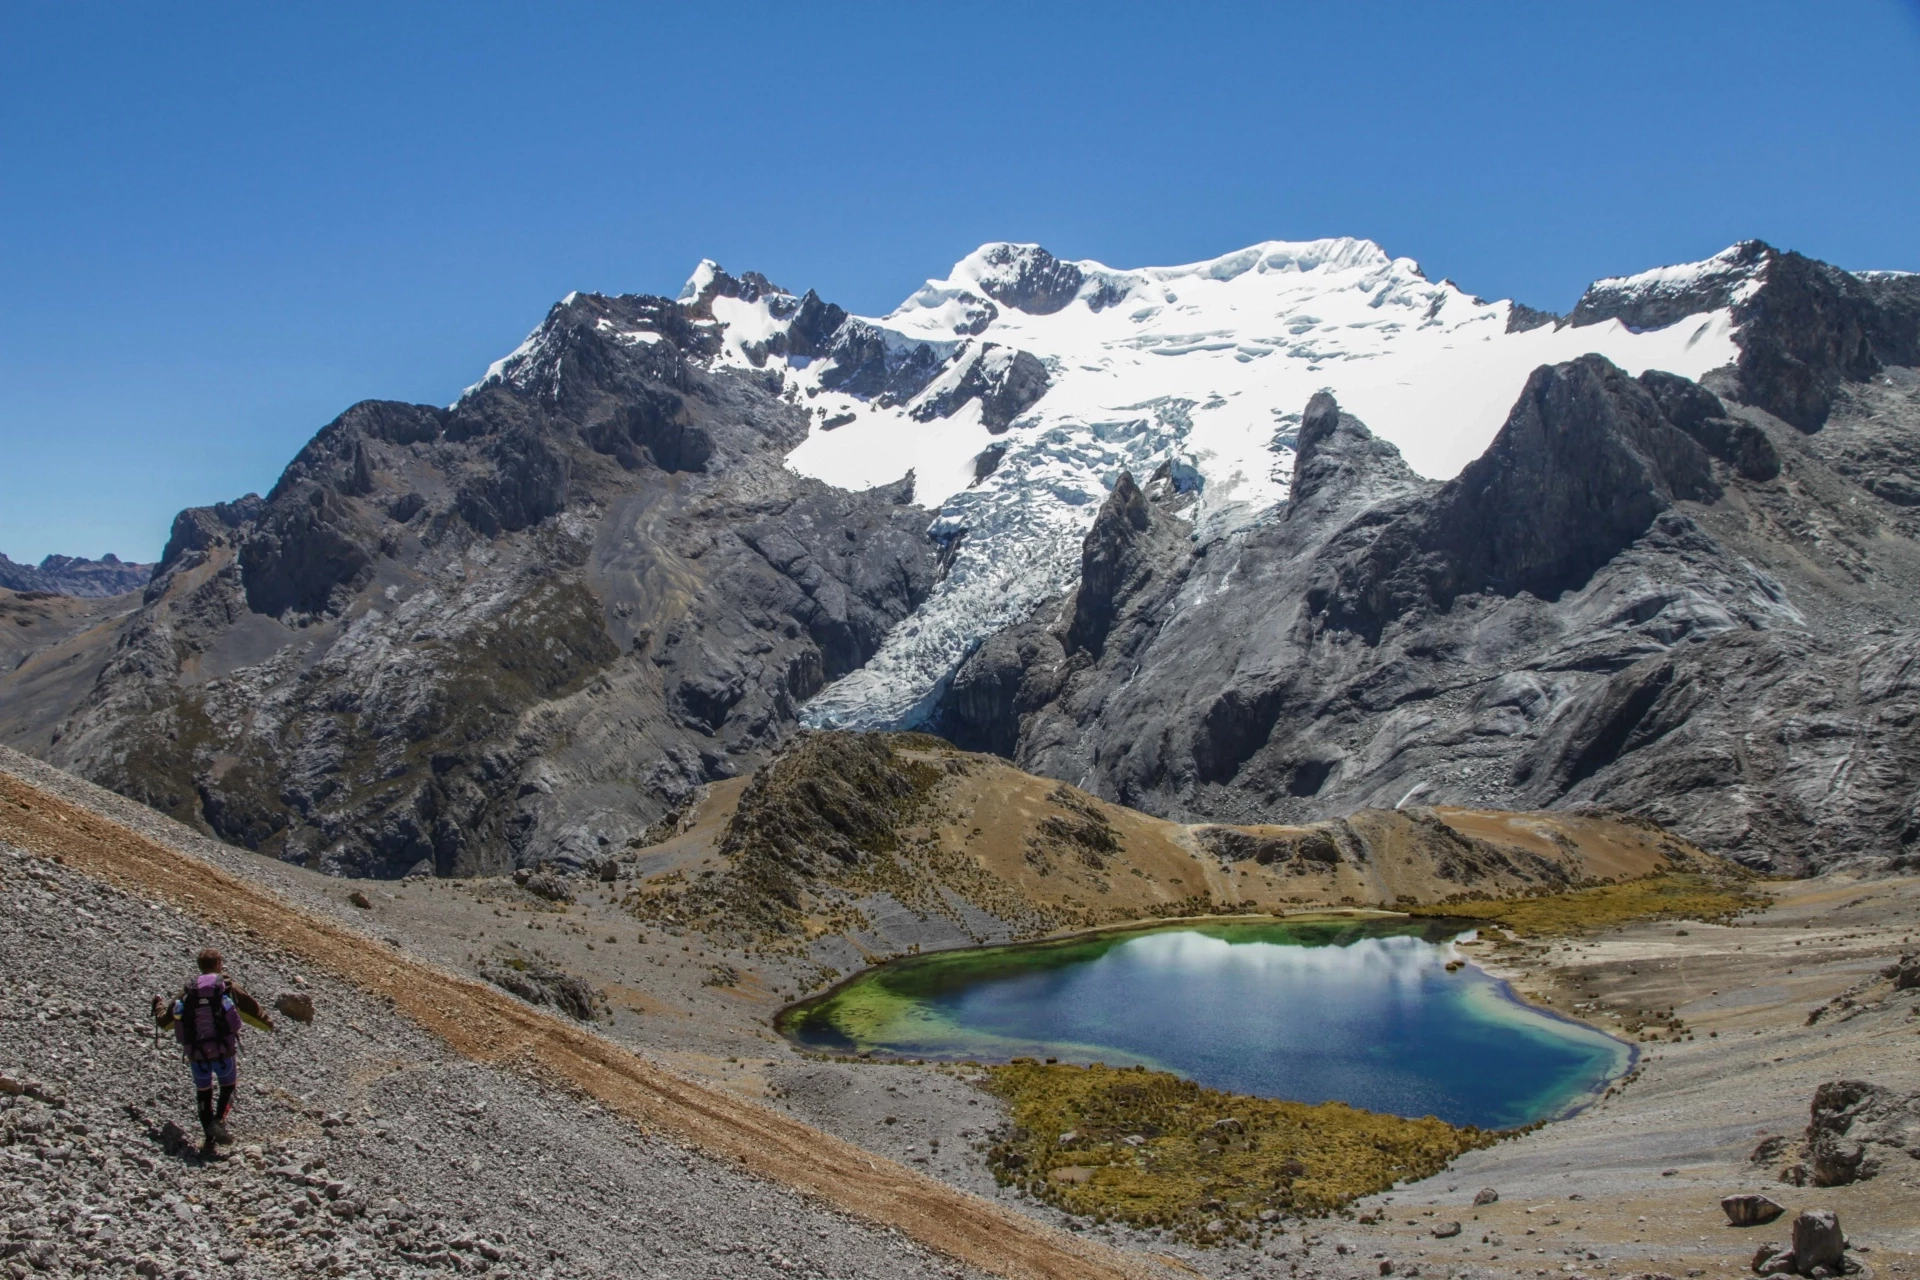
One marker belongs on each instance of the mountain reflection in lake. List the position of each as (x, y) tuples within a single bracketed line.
[(1362, 1012)]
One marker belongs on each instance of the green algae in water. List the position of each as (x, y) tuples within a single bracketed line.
[(1311, 1010)]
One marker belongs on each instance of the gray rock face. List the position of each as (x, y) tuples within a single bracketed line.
[(1585, 462), (515, 630), (1033, 280), (75, 576), (1646, 595)]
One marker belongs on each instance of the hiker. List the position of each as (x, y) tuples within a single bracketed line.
[(205, 1020)]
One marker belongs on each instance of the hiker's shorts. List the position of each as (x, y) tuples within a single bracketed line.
[(226, 1070)]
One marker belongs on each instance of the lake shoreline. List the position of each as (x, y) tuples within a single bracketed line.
[(1364, 1007)]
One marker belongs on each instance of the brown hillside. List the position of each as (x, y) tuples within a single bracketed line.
[(839, 825)]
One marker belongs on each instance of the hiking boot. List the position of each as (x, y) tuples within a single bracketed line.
[(220, 1133), (210, 1150)]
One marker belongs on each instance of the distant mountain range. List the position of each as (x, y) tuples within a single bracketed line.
[(75, 576), (1272, 537)]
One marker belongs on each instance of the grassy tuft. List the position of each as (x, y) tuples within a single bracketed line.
[(1669, 895), (1207, 1164)]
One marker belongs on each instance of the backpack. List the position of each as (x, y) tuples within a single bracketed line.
[(204, 1029)]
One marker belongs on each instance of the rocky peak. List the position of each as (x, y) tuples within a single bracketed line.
[(1802, 326), (813, 325), (1336, 449), (710, 280), (1006, 382), (1112, 565), (1583, 465), (1667, 295), (1027, 278), (1808, 327)]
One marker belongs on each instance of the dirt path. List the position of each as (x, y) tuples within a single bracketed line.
[(491, 1027)]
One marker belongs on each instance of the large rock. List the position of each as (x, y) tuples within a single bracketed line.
[(1858, 1129), (1818, 1242), (1750, 1209)]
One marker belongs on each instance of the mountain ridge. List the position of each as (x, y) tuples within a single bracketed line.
[(641, 549), (75, 576)]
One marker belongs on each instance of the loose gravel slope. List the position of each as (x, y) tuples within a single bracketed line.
[(655, 1209)]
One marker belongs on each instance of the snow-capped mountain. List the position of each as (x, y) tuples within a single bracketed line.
[(1016, 389), (662, 532)]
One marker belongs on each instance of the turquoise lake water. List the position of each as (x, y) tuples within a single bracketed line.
[(1364, 1013)]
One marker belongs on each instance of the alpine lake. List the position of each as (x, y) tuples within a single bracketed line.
[(1354, 1009)]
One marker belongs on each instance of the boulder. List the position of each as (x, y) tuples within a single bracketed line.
[(1818, 1242), (1750, 1209), (1857, 1127), (1445, 1230), (1486, 1195), (360, 900), (542, 984), (297, 1005), (1818, 1249), (1905, 972), (544, 884)]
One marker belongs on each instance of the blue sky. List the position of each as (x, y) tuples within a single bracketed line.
[(222, 224)]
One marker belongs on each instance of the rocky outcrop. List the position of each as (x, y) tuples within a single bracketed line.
[(1012, 674), (1004, 381), (541, 984), (1698, 412), (1860, 1130), (75, 576), (511, 631), (1817, 1249), (1114, 564), (1028, 278)]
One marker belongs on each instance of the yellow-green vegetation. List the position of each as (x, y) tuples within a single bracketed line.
[(1717, 896), (1152, 1150)]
